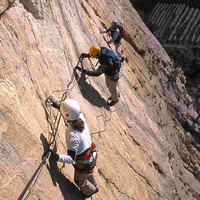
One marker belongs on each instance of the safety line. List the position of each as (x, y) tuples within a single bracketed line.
[(39, 169), (64, 96), (105, 120)]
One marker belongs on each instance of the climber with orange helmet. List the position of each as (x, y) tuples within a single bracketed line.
[(110, 65), (81, 150), (116, 38)]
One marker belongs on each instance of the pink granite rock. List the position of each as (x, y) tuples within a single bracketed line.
[(40, 42)]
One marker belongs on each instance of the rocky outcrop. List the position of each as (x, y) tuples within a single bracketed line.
[(34, 7), (176, 23), (177, 27), (5, 5), (144, 152), (188, 59)]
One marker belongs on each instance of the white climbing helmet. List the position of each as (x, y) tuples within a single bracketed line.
[(70, 110), (114, 22)]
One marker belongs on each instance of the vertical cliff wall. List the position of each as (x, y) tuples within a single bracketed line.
[(176, 26), (176, 23), (144, 153)]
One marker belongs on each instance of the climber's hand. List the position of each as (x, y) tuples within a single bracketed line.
[(85, 55), (54, 156), (55, 104), (79, 68)]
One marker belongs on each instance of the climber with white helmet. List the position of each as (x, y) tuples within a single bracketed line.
[(81, 150), (110, 65), (116, 38)]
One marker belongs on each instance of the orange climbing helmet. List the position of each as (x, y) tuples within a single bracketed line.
[(94, 51)]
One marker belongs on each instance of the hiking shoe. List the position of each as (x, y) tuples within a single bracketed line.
[(109, 98), (112, 103), (88, 196), (122, 59), (97, 189)]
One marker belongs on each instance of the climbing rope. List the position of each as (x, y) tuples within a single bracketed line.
[(54, 126), (35, 177), (106, 116), (92, 65)]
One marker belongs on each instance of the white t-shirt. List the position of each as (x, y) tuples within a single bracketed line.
[(76, 141)]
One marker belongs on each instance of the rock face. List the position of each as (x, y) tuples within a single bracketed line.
[(176, 23), (176, 26), (5, 4), (144, 151)]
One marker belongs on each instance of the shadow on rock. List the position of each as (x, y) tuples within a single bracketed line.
[(68, 189), (90, 93)]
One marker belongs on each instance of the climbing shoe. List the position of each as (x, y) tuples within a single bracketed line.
[(88, 196), (122, 59), (112, 103)]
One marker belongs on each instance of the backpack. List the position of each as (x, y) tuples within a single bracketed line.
[(115, 58), (122, 31)]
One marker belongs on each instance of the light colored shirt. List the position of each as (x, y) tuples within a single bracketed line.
[(115, 35), (76, 141)]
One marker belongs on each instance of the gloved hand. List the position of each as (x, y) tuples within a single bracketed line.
[(85, 55), (54, 156), (80, 69), (103, 31), (55, 104), (73, 163)]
